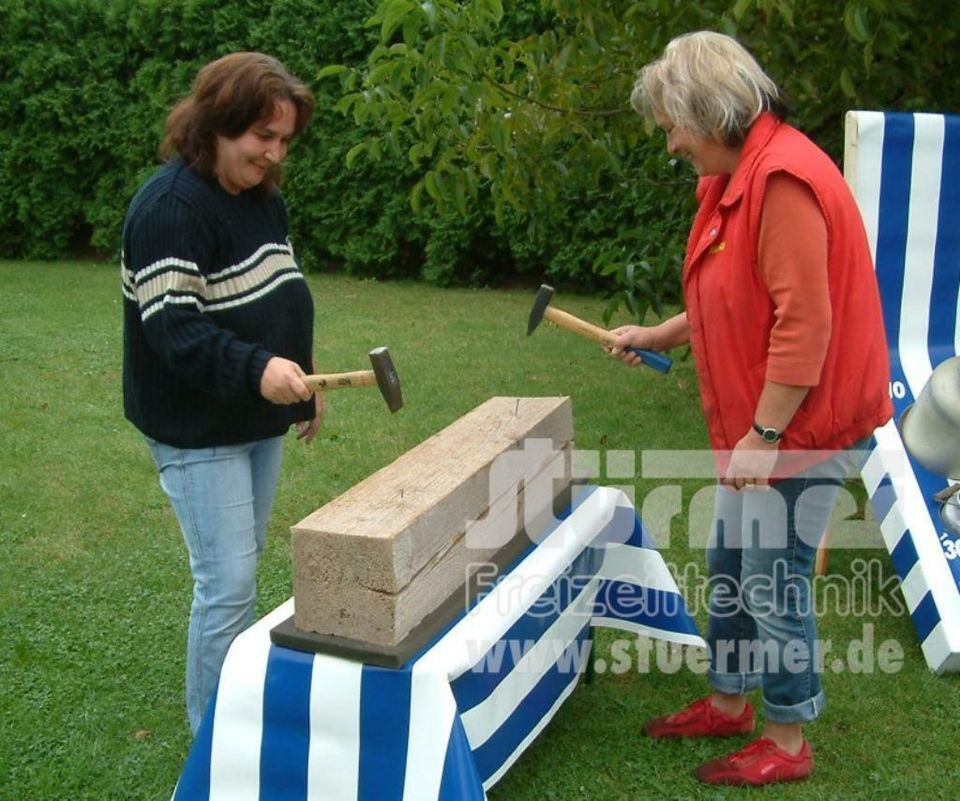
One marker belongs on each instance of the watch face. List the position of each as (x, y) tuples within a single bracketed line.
[(767, 434)]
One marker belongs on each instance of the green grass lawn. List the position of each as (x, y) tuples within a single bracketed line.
[(94, 586)]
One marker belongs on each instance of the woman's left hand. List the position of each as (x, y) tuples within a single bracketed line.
[(630, 336), (751, 463), (307, 429)]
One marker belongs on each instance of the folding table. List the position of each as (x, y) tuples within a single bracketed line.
[(287, 725)]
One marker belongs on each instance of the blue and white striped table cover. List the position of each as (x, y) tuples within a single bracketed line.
[(290, 726), (905, 173)]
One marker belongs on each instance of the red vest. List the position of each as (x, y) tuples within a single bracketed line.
[(731, 313)]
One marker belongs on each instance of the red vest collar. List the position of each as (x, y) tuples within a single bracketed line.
[(759, 134)]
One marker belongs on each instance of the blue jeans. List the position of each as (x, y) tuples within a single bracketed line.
[(222, 497), (760, 559)]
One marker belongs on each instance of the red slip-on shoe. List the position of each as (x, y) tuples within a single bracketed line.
[(701, 719), (759, 762)]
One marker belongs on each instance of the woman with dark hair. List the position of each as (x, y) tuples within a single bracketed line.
[(218, 334), (784, 322)]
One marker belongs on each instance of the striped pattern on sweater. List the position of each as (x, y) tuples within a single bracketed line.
[(211, 292), (177, 281)]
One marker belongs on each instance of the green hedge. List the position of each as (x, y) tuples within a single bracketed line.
[(87, 85), (81, 117)]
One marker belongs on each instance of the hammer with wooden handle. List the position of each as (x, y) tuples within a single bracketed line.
[(383, 375), (542, 308)]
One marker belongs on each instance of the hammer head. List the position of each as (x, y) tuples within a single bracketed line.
[(387, 379), (540, 303)]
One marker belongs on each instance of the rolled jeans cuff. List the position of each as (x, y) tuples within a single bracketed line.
[(804, 712), (734, 683)]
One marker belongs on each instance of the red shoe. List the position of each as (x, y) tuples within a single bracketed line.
[(759, 762), (701, 719)]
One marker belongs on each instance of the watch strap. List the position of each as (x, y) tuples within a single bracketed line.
[(767, 434)]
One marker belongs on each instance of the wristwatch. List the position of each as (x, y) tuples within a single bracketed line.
[(767, 434)]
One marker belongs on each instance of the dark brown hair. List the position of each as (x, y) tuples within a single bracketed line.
[(228, 96)]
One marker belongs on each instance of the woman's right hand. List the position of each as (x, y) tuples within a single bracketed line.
[(631, 336), (282, 382)]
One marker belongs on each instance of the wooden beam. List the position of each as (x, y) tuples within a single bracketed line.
[(372, 563)]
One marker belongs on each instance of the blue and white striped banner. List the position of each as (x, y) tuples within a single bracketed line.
[(905, 173), (291, 726)]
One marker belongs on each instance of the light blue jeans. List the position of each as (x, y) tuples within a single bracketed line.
[(222, 497), (760, 558)]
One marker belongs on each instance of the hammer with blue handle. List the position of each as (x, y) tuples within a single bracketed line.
[(542, 308)]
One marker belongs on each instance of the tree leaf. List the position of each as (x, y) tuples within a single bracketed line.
[(846, 84), (355, 151), (393, 17), (741, 7), (383, 70), (416, 197), (432, 184), (460, 193), (411, 28), (331, 70), (430, 12), (785, 7), (498, 135), (855, 21), (347, 102)]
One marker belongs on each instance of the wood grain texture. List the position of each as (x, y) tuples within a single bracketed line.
[(377, 559)]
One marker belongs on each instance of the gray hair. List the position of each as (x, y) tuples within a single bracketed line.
[(709, 84)]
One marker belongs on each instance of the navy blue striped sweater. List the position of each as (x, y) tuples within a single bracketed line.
[(211, 291)]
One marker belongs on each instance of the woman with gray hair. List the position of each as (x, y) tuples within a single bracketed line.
[(782, 313)]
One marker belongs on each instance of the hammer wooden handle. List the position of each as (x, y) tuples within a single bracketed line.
[(649, 357), (578, 326), (360, 378)]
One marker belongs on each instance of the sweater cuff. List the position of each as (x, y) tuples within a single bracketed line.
[(258, 363)]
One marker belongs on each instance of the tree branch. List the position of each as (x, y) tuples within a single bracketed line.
[(572, 111)]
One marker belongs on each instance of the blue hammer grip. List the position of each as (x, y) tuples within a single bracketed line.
[(653, 359)]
